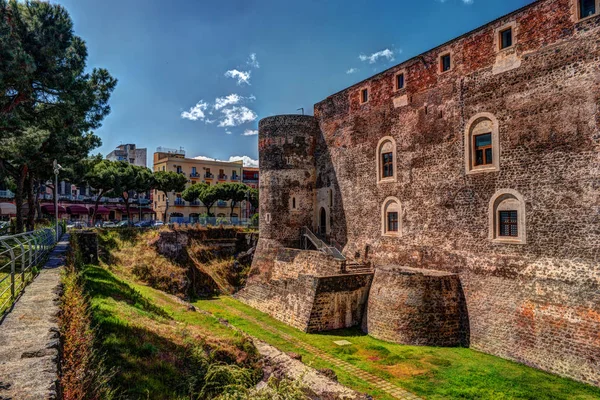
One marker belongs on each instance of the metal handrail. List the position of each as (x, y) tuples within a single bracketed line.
[(20, 255), (321, 245)]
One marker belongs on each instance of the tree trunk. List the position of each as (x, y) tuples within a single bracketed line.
[(22, 173), (38, 202), (95, 210), (129, 222), (30, 203), (166, 209)]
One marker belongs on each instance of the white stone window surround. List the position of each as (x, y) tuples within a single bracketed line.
[(498, 38), (507, 200), (394, 83), (386, 144), (391, 204), (482, 123), (576, 6), (440, 65)]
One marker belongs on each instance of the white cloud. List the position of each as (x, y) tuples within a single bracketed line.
[(253, 61), (352, 71), (241, 76), (222, 102), (197, 112), (235, 116), (227, 131), (248, 162), (373, 58), (250, 132)]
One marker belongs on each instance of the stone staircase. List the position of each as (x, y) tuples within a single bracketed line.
[(358, 268)]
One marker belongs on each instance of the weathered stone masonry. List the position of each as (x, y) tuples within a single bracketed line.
[(534, 298)]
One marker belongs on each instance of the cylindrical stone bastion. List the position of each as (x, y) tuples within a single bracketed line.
[(287, 176), (416, 307)]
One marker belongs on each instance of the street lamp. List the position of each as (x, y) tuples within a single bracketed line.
[(56, 166)]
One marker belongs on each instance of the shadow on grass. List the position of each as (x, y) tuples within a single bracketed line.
[(346, 332), (99, 283)]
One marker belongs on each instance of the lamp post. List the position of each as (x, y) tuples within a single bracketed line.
[(56, 166)]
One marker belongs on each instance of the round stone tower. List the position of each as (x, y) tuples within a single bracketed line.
[(286, 145)]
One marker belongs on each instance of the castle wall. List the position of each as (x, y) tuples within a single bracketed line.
[(417, 307), (536, 302)]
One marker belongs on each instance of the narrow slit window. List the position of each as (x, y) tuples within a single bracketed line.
[(399, 81), (387, 160), (364, 95), (587, 8), (445, 62), (509, 225), (392, 221), (294, 203), (506, 39), (483, 149)]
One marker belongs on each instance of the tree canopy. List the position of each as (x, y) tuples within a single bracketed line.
[(169, 181)]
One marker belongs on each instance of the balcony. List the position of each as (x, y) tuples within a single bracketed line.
[(6, 194), (222, 177), (181, 172), (246, 180), (196, 203), (179, 203), (194, 175), (235, 177), (208, 175), (221, 203)]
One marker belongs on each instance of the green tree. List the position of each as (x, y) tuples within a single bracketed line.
[(253, 195), (235, 193), (46, 97), (128, 179), (102, 177), (207, 194), (169, 181)]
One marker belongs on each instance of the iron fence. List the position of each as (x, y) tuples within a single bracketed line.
[(20, 255)]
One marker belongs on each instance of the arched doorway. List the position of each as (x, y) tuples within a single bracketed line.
[(323, 222)]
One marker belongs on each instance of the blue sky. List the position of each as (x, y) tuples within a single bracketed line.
[(200, 74)]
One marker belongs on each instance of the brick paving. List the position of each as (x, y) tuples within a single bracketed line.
[(375, 381)]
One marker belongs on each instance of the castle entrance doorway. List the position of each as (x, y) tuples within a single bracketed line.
[(323, 222)]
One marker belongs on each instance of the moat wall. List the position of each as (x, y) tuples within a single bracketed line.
[(536, 300)]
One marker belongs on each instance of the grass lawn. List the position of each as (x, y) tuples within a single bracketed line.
[(430, 372), (151, 340)]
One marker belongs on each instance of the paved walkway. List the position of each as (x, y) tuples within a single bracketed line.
[(375, 381), (29, 336)]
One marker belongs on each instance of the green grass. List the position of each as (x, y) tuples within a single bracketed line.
[(153, 342), (431, 372)]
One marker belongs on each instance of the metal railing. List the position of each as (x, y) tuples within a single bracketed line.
[(19, 256), (323, 247)]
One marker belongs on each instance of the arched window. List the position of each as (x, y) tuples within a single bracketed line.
[(507, 217), (391, 217), (482, 144), (386, 160)]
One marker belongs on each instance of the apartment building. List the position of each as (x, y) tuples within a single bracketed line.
[(130, 153), (196, 170)]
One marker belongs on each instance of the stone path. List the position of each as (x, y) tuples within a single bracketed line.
[(371, 379), (29, 336)]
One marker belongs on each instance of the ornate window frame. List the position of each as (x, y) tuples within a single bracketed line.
[(470, 167), (504, 200), (379, 162), (391, 204)]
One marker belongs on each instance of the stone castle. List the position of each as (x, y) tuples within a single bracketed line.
[(452, 200)]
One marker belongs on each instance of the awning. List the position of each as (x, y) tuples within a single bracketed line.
[(148, 211), (49, 209), (101, 210), (8, 209), (76, 209)]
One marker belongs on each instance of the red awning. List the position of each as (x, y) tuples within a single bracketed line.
[(148, 211), (76, 209), (49, 209), (101, 210)]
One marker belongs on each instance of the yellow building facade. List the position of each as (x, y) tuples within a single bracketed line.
[(196, 170)]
